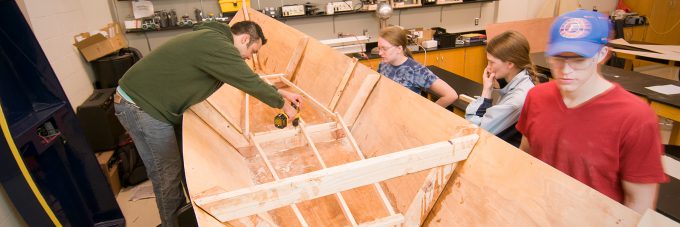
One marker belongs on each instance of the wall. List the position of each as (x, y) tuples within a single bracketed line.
[(54, 23), (455, 18), (512, 10)]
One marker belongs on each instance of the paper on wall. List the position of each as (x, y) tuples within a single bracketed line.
[(665, 89), (142, 9)]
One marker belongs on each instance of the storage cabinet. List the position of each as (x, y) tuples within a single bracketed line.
[(475, 62), (468, 62)]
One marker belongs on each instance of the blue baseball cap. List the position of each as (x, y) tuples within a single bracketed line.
[(582, 32)]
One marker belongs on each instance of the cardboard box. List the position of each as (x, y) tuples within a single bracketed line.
[(94, 46), (422, 34), (110, 169)]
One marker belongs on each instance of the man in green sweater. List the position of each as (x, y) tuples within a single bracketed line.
[(156, 91)]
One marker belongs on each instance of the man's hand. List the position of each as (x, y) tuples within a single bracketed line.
[(288, 98), (291, 97), (289, 110)]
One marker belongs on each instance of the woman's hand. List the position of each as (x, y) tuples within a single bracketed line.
[(488, 79)]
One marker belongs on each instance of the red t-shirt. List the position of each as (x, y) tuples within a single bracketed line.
[(612, 137)]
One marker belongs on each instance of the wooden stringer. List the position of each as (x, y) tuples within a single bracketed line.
[(295, 58)]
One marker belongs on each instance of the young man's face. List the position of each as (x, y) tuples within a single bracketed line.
[(570, 71), (246, 50)]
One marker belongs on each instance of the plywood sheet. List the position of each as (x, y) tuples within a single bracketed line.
[(537, 31)]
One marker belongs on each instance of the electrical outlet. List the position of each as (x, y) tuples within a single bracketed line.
[(476, 21)]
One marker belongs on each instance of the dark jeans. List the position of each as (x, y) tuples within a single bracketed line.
[(157, 145)]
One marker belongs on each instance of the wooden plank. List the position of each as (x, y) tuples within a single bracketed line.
[(466, 98), (359, 100), (279, 134), (306, 95), (226, 116), (392, 220), (343, 84), (255, 199), (215, 120), (246, 114), (229, 101), (341, 200), (272, 76), (377, 186), (276, 177), (295, 59)]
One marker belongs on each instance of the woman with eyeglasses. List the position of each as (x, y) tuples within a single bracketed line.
[(398, 65), (497, 110)]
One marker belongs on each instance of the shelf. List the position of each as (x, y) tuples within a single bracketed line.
[(371, 11), (139, 30)]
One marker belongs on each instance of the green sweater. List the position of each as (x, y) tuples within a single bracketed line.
[(189, 68)]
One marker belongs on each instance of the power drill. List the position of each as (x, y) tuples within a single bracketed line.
[(281, 119)]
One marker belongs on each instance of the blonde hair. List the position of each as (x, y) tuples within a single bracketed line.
[(512, 46), (397, 37)]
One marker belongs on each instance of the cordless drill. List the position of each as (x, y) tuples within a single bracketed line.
[(281, 119)]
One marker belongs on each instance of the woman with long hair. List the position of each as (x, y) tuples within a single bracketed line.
[(497, 109)]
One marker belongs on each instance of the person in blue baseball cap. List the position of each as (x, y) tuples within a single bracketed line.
[(587, 127)]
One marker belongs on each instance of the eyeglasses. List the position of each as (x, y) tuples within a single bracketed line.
[(577, 63), (383, 49)]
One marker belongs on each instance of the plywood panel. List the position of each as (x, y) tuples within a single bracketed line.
[(500, 185), (537, 31)]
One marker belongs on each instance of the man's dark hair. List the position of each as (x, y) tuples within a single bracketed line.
[(250, 28)]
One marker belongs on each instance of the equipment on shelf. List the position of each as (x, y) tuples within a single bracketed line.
[(292, 10)]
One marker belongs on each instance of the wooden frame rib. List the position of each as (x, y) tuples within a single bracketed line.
[(341, 199), (246, 115), (256, 199), (309, 97), (263, 137), (272, 76), (352, 112), (226, 116), (295, 58), (211, 116), (352, 141), (343, 84), (392, 220), (269, 165)]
